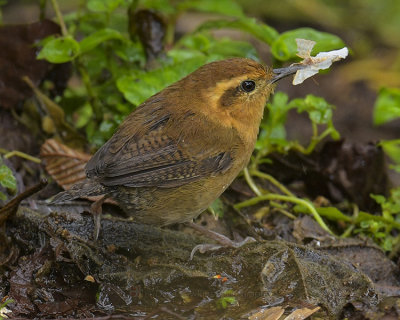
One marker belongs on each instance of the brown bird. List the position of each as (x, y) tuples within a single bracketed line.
[(180, 150)]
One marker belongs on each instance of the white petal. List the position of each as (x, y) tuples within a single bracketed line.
[(322, 60)]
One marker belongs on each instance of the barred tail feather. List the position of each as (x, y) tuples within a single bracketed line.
[(83, 189)]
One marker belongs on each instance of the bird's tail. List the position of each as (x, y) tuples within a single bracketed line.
[(83, 189)]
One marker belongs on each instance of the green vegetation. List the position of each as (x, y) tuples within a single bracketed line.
[(7, 180), (117, 74), (111, 60)]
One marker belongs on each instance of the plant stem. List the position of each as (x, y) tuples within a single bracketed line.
[(285, 213), (170, 30), (316, 140), (42, 6), (60, 19), (251, 182), (9, 154), (349, 229), (273, 196), (272, 180), (92, 97)]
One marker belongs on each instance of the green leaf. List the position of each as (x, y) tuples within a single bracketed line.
[(334, 133), (319, 110), (130, 52), (365, 216), (395, 194), (83, 114), (198, 41), (3, 197), (261, 31), (103, 5), (273, 125), (164, 6), (378, 198), (395, 168), (98, 37), (7, 179), (278, 109), (226, 48), (99, 134), (139, 86), (107, 128), (390, 205), (279, 103), (387, 243), (223, 302), (60, 50), (333, 213), (220, 48), (225, 7), (217, 208), (284, 47), (387, 106), (185, 54), (392, 149)]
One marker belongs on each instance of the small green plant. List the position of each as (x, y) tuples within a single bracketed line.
[(3, 308), (7, 180), (273, 133), (226, 299), (384, 227), (380, 231), (387, 108), (273, 138)]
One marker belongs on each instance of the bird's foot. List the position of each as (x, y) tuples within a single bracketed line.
[(96, 210), (221, 239), (202, 248)]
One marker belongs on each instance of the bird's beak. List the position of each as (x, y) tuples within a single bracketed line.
[(284, 72)]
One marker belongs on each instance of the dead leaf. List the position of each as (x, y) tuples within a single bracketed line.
[(301, 314), (65, 165), (273, 313)]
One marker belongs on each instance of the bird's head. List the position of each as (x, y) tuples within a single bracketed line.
[(232, 92)]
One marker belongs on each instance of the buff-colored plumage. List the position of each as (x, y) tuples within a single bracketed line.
[(179, 150)]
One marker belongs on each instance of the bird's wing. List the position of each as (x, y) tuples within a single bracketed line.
[(150, 157)]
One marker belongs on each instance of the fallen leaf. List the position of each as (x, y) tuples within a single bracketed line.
[(273, 313), (65, 165), (301, 314)]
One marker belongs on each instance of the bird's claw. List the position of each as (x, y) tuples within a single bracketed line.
[(202, 248)]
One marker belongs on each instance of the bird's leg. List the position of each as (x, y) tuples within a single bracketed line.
[(220, 238), (96, 210)]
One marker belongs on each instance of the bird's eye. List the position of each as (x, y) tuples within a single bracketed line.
[(248, 85)]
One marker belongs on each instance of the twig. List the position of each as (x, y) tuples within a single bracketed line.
[(348, 230), (9, 154), (11, 207)]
